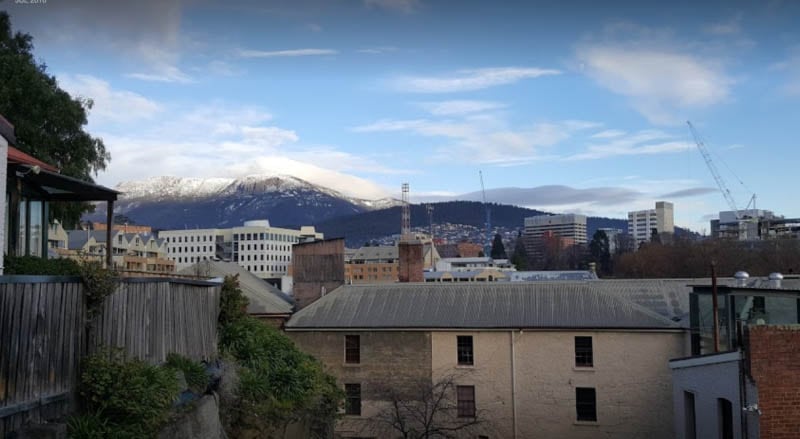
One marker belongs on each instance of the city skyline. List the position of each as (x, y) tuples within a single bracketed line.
[(564, 108)]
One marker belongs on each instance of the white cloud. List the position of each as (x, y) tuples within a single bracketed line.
[(221, 140), (402, 6), (661, 76), (469, 80), (647, 142), (790, 67), (448, 108), (110, 105), (608, 134), (728, 27), (377, 50), (484, 140), (247, 53)]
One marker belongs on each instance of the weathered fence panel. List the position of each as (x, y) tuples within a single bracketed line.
[(150, 318), (43, 335)]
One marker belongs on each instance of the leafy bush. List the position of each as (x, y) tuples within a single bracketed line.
[(194, 371), (99, 283), (132, 396), (278, 383), (232, 303), (33, 265), (88, 426)]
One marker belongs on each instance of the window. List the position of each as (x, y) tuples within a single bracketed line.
[(586, 404), (352, 349), (465, 353), (725, 415), (352, 404), (466, 401), (690, 426), (583, 352)]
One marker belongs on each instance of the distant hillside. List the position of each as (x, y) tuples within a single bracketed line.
[(363, 227)]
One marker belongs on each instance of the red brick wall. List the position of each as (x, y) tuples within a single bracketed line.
[(774, 353), (411, 262)]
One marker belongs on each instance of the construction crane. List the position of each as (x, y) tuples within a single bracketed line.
[(717, 177), (487, 247)]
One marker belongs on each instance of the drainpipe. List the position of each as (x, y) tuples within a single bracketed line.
[(714, 305), (513, 385)]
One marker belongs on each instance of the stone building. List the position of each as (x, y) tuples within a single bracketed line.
[(547, 359), (317, 269)]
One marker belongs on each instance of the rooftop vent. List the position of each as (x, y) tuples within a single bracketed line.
[(775, 280), (741, 278)]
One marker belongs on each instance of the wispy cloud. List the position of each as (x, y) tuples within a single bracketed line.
[(248, 53), (377, 50), (449, 108), (661, 78), (110, 104), (690, 192), (646, 142), (168, 74), (728, 27), (608, 134), (484, 139), (790, 67), (402, 6), (470, 79)]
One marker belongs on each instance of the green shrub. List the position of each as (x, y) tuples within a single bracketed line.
[(99, 283), (194, 371), (134, 397), (232, 303), (88, 426), (278, 382), (33, 265)]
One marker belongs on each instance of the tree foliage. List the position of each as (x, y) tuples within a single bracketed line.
[(599, 250), (520, 256), (498, 249), (49, 123)]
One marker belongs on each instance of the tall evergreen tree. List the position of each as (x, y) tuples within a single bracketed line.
[(49, 123), (520, 256), (599, 251), (498, 249)]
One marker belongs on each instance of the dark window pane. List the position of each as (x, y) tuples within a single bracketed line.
[(690, 427), (465, 353), (583, 352), (466, 401), (352, 349), (352, 404), (586, 403), (725, 418)]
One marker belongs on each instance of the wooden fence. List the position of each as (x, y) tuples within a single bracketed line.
[(43, 335)]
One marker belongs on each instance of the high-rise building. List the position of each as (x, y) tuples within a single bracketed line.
[(642, 224), (263, 250), (568, 228)]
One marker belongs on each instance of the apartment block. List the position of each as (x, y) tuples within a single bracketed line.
[(567, 229), (642, 224), (263, 250)]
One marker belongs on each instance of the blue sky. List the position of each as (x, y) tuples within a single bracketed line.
[(581, 106)]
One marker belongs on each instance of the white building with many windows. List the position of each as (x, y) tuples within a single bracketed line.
[(643, 223), (263, 250)]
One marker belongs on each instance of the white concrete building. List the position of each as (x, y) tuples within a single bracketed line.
[(263, 250), (642, 223), (569, 228)]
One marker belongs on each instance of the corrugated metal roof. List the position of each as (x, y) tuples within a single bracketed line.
[(374, 253), (477, 305), (263, 297), (551, 275)]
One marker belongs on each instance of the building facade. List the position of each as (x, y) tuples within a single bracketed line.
[(642, 224), (374, 264), (526, 359), (139, 254), (540, 231), (261, 249)]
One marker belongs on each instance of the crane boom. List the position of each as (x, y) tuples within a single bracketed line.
[(713, 169), (487, 246)]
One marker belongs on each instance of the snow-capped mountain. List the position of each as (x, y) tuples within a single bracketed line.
[(179, 202)]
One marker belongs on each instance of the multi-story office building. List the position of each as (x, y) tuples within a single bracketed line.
[(643, 223), (263, 250), (569, 228), (753, 225)]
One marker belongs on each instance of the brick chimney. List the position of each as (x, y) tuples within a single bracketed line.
[(411, 262)]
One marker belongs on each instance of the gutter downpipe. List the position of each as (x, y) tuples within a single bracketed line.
[(513, 385)]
